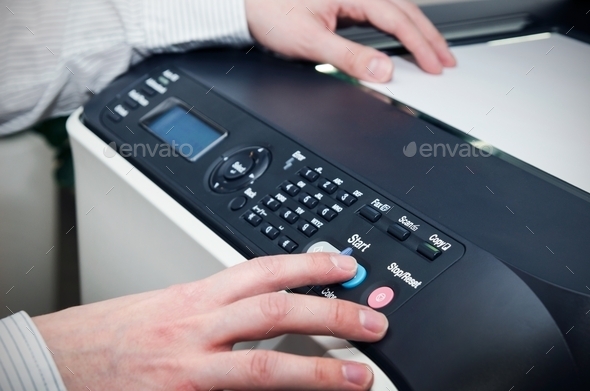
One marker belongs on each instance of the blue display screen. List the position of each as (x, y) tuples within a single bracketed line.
[(187, 134)]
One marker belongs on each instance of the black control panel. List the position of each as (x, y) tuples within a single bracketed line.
[(462, 317), (283, 198)]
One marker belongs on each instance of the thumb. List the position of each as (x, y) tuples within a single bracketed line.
[(359, 61)]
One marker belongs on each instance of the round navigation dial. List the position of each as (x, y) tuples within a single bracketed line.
[(237, 165), (239, 169)]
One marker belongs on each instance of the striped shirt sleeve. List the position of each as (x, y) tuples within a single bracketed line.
[(25, 361), (57, 53)]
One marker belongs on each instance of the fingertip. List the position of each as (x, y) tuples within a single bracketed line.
[(358, 374), (344, 262), (379, 69), (448, 59), (434, 68)]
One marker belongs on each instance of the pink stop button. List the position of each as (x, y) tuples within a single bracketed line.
[(380, 297)]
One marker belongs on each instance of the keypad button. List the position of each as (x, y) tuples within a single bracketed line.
[(399, 232), (345, 197), (114, 117), (290, 188), (131, 103), (138, 97), (307, 228), (428, 250), (309, 174), (370, 214), (163, 80), (237, 203), (271, 203), (252, 218), (287, 244), (149, 91), (288, 215), (308, 200), (327, 186), (326, 212), (270, 231)]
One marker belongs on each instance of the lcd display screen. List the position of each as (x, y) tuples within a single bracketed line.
[(189, 135)]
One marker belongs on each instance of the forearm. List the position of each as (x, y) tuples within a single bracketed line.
[(57, 54)]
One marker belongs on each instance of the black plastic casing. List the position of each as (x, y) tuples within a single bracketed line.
[(496, 312)]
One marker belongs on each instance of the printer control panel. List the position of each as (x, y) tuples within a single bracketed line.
[(316, 207), (267, 194), (276, 158)]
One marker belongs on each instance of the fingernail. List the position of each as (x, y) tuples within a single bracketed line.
[(374, 321), (380, 68), (356, 373), (344, 262)]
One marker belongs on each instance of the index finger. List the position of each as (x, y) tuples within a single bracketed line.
[(429, 31), (278, 272), (390, 18)]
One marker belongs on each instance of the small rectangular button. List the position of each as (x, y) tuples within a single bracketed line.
[(345, 197), (163, 81), (155, 85), (270, 231), (131, 103), (139, 98), (288, 215), (252, 218), (170, 75), (308, 200), (309, 174), (148, 91), (271, 203), (113, 117), (428, 250), (327, 186), (119, 109), (399, 232), (370, 214), (290, 188), (287, 244), (307, 228), (326, 212)]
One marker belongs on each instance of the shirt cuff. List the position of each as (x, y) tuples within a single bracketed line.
[(26, 363), (156, 26)]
